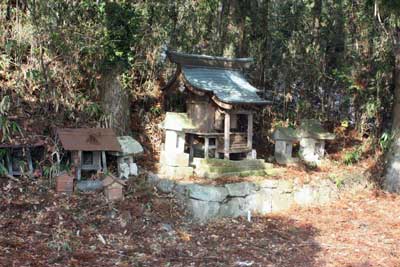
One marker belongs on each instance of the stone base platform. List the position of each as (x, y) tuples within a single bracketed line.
[(217, 168), (206, 202)]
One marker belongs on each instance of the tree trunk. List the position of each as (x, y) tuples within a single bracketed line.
[(115, 101), (223, 26), (392, 178), (317, 22)]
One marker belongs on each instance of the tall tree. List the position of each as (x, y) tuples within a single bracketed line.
[(97, 38), (392, 177)]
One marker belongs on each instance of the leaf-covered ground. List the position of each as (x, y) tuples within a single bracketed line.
[(40, 228)]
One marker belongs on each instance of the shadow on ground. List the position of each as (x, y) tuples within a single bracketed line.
[(266, 241), (41, 228)]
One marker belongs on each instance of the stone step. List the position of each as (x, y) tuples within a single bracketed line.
[(215, 168), (228, 163)]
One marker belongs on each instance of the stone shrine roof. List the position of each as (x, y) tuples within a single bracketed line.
[(129, 146), (285, 134), (313, 129)]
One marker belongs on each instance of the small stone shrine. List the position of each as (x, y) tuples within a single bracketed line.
[(284, 139), (113, 188), (130, 148), (312, 140), (65, 183)]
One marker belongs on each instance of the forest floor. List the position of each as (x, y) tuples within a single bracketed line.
[(41, 228)]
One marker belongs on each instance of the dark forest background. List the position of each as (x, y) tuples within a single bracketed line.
[(101, 63)]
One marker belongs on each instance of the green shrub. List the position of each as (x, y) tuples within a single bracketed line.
[(352, 157)]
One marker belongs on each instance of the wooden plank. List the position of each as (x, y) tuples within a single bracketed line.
[(221, 104), (214, 134), (227, 133), (250, 131), (241, 111)]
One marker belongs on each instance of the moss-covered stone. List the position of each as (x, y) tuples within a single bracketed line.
[(215, 168)]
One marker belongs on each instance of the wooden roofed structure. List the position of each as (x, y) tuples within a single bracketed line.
[(88, 147), (219, 102)]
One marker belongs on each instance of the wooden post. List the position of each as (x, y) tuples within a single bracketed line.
[(216, 148), (29, 159), (191, 151), (104, 160), (79, 166), (250, 131), (206, 144), (227, 133), (9, 162)]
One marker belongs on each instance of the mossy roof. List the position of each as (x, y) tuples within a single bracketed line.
[(129, 146), (285, 133), (314, 129)]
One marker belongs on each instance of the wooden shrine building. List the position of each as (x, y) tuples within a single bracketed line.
[(88, 147), (218, 106)]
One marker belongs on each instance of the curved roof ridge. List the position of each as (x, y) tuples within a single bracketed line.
[(186, 59), (229, 86)]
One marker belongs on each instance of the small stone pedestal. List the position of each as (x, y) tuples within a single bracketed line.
[(113, 188), (65, 183)]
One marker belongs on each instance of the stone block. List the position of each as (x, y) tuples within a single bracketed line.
[(207, 193), (327, 192), (260, 202), (65, 183), (269, 183), (180, 189), (214, 168), (281, 201), (307, 150), (233, 208), (166, 185), (305, 196), (283, 151), (174, 159), (252, 154), (89, 185), (240, 189), (285, 186), (203, 210), (153, 178), (177, 172), (171, 140)]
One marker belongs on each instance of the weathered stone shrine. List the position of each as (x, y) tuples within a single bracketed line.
[(130, 148), (312, 140), (217, 117), (310, 134), (284, 139)]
